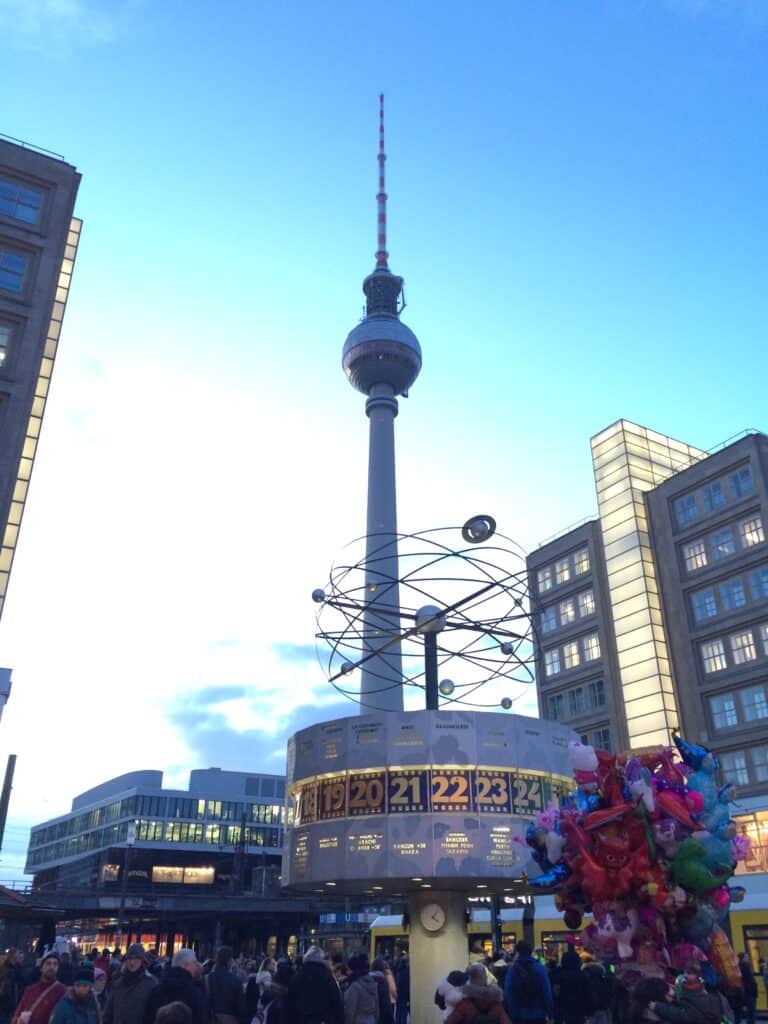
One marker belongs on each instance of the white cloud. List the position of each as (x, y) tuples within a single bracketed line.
[(58, 26)]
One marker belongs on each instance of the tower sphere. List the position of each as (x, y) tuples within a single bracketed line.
[(381, 350)]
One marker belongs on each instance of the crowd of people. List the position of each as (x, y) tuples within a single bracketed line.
[(522, 987)]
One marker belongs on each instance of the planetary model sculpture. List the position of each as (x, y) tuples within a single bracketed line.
[(460, 632)]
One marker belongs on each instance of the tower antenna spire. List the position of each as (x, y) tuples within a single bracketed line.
[(381, 197)]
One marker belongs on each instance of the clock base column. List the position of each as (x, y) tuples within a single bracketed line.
[(434, 954)]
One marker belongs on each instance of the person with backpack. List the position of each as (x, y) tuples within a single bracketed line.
[(573, 997), (527, 991), (480, 1002)]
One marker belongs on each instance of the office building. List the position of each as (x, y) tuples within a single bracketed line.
[(38, 245)]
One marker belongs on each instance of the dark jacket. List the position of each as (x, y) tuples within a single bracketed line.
[(225, 993), (178, 985), (527, 991), (361, 1001), (573, 1002), (487, 1000), (694, 1008), (127, 999), (76, 1011), (748, 982), (313, 997)]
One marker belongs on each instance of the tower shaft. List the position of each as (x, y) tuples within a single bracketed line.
[(382, 675)]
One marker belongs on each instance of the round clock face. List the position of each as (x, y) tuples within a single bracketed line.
[(432, 917)]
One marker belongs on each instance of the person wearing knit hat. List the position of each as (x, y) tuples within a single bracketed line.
[(693, 1003), (79, 1005), (136, 951), (130, 990)]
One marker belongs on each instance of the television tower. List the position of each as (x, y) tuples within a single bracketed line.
[(382, 358)]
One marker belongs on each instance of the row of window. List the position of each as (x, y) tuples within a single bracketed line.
[(699, 553), (73, 845), (746, 767), (711, 498), (158, 806), (730, 595), (562, 614), (576, 701), (742, 647), (571, 655), (20, 201), (13, 266), (749, 704), (563, 570), (214, 835)]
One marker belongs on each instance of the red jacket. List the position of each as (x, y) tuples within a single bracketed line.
[(485, 999), (43, 997)]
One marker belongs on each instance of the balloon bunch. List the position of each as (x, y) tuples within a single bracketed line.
[(646, 844)]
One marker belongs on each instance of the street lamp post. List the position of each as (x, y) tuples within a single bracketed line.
[(130, 840)]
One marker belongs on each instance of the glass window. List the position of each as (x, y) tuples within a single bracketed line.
[(734, 767), (5, 343), (591, 647), (695, 555), (741, 482), (754, 705), (567, 611), (713, 497), (602, 738), (571, 654), (758, 583), (556, 706), (552, 662), (704, 604), (732, 595), (752, 532), (743, 647), (713, 656), (19, 201), (12, 268), (581, 562), (586, 603), (763, 630), (685, 510), (548, 620), (167, 875), (544, 578), (596, 693), (576, 703), (723, 708), (722, 543), (760, 763), (562, 570)]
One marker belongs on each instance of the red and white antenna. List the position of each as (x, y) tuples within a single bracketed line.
[(381, 198)]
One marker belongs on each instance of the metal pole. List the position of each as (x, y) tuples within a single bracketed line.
[(5, 796), (495, 922), (430, 671), (130, 839)]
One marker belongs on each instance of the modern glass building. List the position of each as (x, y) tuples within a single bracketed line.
[(38, 246)]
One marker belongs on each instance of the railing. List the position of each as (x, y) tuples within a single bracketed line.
[(569, 529), (30, 145), (22, 888), (746, 432)]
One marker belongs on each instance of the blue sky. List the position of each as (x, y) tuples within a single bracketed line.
[(577, 205)]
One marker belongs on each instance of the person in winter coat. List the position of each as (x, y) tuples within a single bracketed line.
[(78, 1006), (448, 993), (749, 987), (601, 991), (181, 983), (273, 999), (693, 1004), (387, 990), (478, 1000), (361, 998), (313, 996), (127, 999), (527, 991), (402, 973), (573, 1002), (226, 997)]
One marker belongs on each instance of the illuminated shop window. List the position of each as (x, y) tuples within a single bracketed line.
[(548, 620), (591, 647), (713, 497), (199, 876), (732, 595), (741, 482), (686, 510), (110, 872), (752, 532), (704, 604), (723, 708), (695, 555), (19, 201), (734, 766), (713, 656), (586, 603), (544, 579), (563, 570), (167, 875), (551, 662), (743, 647), (567, 611), (754, 704), (722, 543), (758, 583), (571, 654), (581, 562)]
